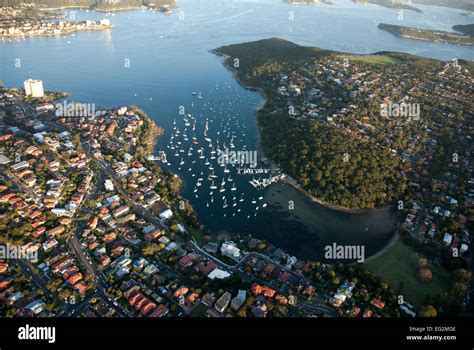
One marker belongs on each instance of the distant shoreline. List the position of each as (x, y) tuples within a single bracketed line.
[(64, 32), (111, 9), (435, 36)]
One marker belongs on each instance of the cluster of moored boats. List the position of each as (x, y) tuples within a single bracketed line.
[(265, 182), (202, 153)]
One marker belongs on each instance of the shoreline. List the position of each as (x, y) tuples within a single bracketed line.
[(427, 35), (156, 130), (105, 10), (79, 7), (291, 182), (387, 246), (287, 180), (13, 36), (429, 40)]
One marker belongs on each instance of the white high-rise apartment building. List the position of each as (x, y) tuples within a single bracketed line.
[(34, 88)]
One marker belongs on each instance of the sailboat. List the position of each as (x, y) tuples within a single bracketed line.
[(222, 186), (206, 129), (201, 152)]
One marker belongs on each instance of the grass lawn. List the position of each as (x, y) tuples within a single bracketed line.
[(374, 59), (397, 266), (197, 234)]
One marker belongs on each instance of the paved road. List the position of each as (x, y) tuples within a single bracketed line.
[(74, 243), (21, 187), (193, 246), (29, 269), (317, 304), (137, 209)]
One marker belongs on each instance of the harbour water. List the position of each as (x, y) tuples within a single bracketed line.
[(157, 61)]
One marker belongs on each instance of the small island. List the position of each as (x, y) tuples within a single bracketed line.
[(427, 34)]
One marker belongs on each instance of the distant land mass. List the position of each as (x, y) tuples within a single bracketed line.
[(427, 34), (467, 5), (467, 29), (307, 2), (390, 4), (109, 5)]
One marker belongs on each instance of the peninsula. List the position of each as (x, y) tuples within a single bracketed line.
[(364, 131), (97, 5), (389, 4), (466, 5), (427, 34), (30, 21), (467, 29), (34, 19)]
